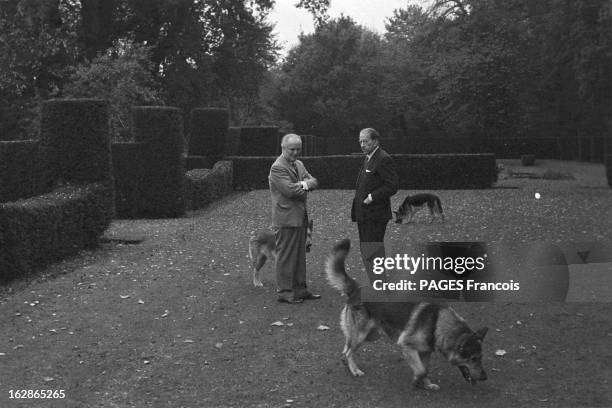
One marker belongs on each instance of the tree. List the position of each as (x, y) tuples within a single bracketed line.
[(123, 77), (318, 9), (330, 83), (37, 41)]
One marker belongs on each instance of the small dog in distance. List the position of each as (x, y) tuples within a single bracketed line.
[(414, 203)]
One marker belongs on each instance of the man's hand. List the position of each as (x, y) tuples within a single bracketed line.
[(368, 199)]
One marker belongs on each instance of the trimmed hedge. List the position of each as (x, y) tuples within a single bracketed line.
[(128, 172), (259, 141), (200, 162), (203, 186), (75, 141), (21, 171), (609, 169), (208, 131), (48, 227), (564, 148), (160, 128), (441, 171), (232, 145)]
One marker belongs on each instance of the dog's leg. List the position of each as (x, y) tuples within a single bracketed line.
[(419, 369), (257, 265), (354, 337), (425, 356), (350, 348)]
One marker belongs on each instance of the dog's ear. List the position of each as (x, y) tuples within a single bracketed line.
[(480, 334), (310, 224)]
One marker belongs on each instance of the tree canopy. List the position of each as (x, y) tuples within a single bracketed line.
[(457, 67)]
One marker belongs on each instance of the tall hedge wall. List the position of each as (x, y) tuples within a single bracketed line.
[(74, 139), (442, 171), (232, 144), (203, 186), (609, 169), (208, 131), (45, 228), (160, 128), (21, 170), (128, 173), (259, 141)]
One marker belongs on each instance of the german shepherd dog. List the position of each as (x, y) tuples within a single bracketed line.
[(418, 328), (262, 246), (413, 203)]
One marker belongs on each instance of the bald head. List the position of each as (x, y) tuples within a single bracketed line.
[(291, 145), (290, 138)]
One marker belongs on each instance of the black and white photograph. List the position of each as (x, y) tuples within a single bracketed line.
[(306, 203)]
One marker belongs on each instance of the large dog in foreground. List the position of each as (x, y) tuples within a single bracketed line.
[(419, 328)]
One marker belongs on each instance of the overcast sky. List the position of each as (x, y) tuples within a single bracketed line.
[(291, 21)]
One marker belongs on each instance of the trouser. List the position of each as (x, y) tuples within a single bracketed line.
[(291, 261), (371, 245)]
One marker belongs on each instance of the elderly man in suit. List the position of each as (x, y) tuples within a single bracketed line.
[(376, 183), (290, 183)]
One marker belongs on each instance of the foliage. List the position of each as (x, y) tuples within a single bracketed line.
[(329, 83), (123, 77), (512, 67), (318, 9), (202, 52), (37, 40)]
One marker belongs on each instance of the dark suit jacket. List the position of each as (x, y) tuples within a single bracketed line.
[(288, 197), (379, 178)]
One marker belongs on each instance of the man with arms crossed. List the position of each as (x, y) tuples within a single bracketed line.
[(289, 185)]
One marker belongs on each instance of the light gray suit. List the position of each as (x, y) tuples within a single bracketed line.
[(289, 220)]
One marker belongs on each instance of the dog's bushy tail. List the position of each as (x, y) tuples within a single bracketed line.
[(335, 269)]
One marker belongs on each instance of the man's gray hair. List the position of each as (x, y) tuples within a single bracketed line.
[(374, 135), (287, 138)]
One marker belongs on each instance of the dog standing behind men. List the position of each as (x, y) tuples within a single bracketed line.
[(262, 246), (290, 183), (418, 328), (415, 202)]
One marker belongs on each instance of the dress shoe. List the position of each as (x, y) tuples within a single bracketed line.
[(289, 300), (311, 296)]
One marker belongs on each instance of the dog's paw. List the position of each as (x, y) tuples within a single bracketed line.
[(257, 284), (425, 384), (432, 387), (357, 372)]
